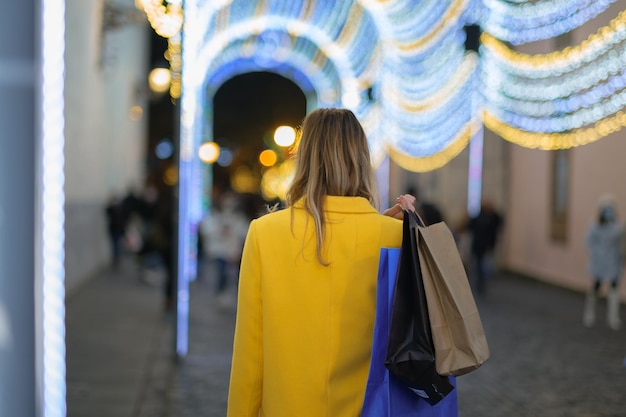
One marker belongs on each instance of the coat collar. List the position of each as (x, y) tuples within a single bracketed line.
[(340, 204)]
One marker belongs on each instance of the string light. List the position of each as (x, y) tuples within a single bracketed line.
[(526, 21), (552, 141), (558, 62), (166, 20), (554, 86), (571, 112), (429, 163), (416, 56)]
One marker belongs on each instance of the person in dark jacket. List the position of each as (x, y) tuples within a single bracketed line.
[(485, 228)]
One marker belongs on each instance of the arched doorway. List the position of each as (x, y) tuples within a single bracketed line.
[(246, 111)]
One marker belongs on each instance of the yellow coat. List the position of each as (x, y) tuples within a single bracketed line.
[(303, 336)]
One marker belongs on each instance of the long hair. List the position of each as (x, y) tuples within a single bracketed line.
[(332, 158)]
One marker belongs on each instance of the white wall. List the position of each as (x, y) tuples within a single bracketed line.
[(104, 148)]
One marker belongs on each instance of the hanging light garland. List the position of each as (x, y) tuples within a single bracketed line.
[(552, 141), (561, 99), (458, 143), (558, 62), (166, 19), (519, 22)]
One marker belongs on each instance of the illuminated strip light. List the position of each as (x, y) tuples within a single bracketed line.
[(219, 42), (475, 173), (558, 107), (429, 163), (411, 22), (454, 40), (529, 22), (555, 87), (416, 88), (371, 119), (440, 116), (425, 77), (558, 62), (187, 208), (330, 18), (244, 66), (285, 8), (580, 118), (356, 39), (371, 72), (323, 79), (451, 19), (429, 139), (53, 197), (442, 95), (427, 133), (552, 141)]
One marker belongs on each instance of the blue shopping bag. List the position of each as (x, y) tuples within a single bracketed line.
[(385, 395)]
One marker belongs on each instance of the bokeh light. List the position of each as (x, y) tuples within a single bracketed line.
[(225, 158), (170, 176), (135, 113), (268, 158), (285, 136), (164, 149), (244, 180), (209, 152), (276, 180), (159, 80)]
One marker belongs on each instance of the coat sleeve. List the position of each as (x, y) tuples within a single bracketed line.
[(246, 379)]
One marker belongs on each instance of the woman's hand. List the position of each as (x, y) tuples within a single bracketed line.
[(404, 202)]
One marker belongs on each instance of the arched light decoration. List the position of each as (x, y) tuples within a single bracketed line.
[(402, 67)]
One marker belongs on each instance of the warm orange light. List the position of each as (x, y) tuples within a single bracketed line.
[(170, 176), (244, 180), (209, 152), (135, 113), (159, 80), (285, 136), (276, 180), (268, 158)]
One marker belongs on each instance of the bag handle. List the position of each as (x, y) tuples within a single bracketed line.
[(415, 217)]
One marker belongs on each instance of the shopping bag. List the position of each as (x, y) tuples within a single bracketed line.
[(457, 331), (410, 352), (385, 395)]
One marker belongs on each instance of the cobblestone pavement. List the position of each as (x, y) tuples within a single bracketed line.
[(543, 362)]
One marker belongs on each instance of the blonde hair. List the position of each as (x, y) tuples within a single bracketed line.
[(332, 159)]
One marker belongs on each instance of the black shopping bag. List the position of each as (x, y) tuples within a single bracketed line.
[(410, 352)]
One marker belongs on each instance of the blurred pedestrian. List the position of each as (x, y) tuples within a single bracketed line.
[(307, 291), (116, 227), (223, 232), (161, 241), (428, 211), (605, 245), (485, 229)]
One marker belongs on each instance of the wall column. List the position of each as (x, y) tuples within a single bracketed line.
[(17, 209)]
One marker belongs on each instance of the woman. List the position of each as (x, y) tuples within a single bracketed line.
[(307, 289), (604, 242)]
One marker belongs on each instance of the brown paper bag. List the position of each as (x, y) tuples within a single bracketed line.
[(457, 331)]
